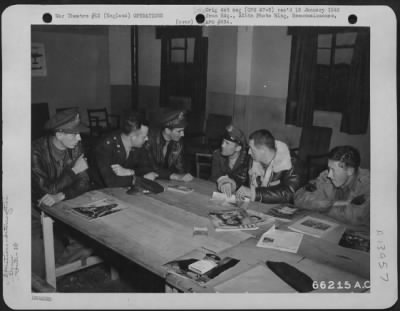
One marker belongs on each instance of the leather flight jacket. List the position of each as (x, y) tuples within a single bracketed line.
[(50, 176), (281, 189)]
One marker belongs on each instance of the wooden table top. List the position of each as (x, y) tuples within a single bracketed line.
[(154, 229)]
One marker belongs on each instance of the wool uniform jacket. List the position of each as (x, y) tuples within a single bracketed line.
[(169, 164), (323, 194), (110, 150)]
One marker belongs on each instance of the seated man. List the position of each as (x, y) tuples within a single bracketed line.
[(59, 172), (342, 191), (165, 147), (271, 174), (230, 163), (119, 156)]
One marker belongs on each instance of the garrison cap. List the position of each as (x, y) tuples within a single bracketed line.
[(174, 119), (235, 135), (67, 121)]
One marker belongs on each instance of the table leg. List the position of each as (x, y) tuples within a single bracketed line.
[(48, 242), (170, 289)]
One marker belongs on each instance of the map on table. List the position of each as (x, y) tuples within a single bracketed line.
[(98, 208)]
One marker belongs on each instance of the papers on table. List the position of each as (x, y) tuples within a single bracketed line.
[(285, 212), (238, 219), (313, 226), (281, 240)]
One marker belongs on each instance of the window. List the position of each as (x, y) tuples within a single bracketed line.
[(181, 50), (334, 58)]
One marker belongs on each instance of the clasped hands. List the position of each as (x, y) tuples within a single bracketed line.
[(122, 171), (181, 177)]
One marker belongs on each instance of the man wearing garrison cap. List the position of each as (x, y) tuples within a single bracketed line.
[(59, 172), (165, 147), (230, 163)]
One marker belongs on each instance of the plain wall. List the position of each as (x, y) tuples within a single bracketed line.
[(77, 70)]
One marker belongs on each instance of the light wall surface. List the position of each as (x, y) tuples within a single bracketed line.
[(77, 70)]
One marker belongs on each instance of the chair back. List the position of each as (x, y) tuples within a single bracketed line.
[(313, 151), (314, 140), (203, 160), (98, 117), (215, 128)]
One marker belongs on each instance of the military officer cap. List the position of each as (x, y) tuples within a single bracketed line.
[(174, 119), (235, 135), (66, 121)]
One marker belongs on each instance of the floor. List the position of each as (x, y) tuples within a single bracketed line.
[(132, 279)]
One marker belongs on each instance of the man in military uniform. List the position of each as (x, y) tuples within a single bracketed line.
[(342, 191), (119, 156), (272, 177), (229, 167), (59, 172), (165, 147)]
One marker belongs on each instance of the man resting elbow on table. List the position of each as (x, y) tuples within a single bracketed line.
[(165, 147), (120, 156), (59, 172), (272, 177), (342, 191), (229, 168)]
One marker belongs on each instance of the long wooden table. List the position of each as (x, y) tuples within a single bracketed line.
[(154, 229)]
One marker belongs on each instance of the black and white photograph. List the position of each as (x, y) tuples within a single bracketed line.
[(283, 108)]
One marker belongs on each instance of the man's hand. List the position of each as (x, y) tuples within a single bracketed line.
[(121, 171), (181, 177), (151, 176), (51, 199), (227, 189), (243, 192), (80, 165)]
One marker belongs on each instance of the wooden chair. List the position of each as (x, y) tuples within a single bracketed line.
[(203, 160), (311, 157), (100, 121), (205, 143), (211, 139)]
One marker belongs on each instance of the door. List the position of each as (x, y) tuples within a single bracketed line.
[(184, 73)]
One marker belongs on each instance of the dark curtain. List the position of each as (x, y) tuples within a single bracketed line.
[(356, 108), (301, 91)]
